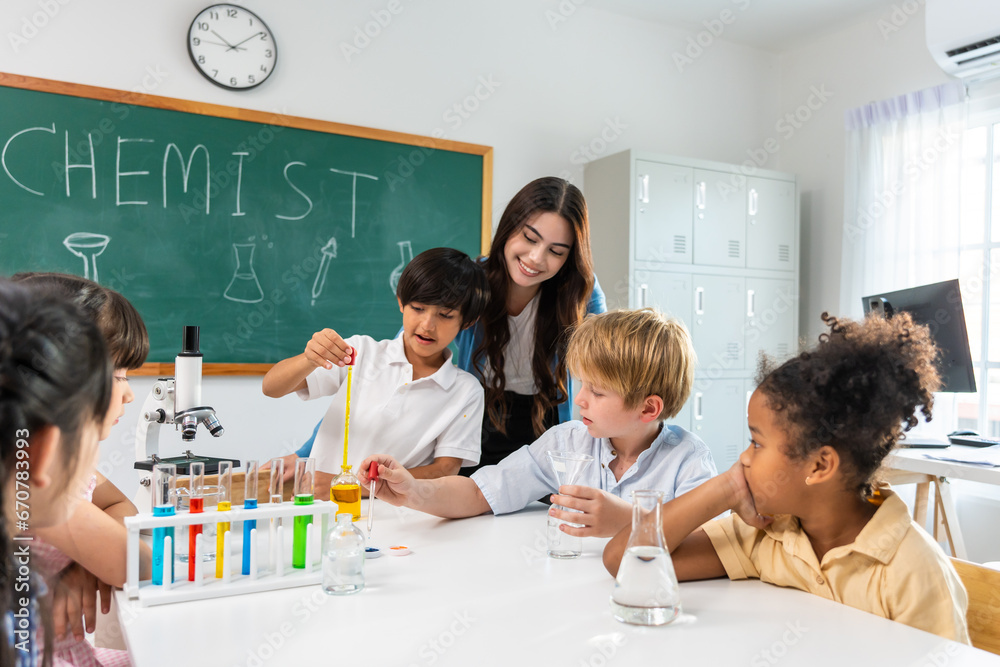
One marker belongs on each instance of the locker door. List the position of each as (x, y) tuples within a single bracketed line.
[(770, 319), (718, 320), (664, 210), (720, 218), (749, 386), (718, 417), (683, 418), (668, 292), (770, 224)]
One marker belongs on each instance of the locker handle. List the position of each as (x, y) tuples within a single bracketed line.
[(699, 301), (697, 405), (643, 289), (644, 188), (752, 207), (750, 302), (701, 197)]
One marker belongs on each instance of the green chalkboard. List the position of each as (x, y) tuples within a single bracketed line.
[(223, 217)]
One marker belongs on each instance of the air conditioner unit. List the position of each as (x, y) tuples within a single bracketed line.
[(963, 36)]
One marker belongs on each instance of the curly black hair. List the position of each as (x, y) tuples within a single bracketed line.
[(856, 391)]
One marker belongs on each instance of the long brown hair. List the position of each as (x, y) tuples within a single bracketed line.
[(562, 300)]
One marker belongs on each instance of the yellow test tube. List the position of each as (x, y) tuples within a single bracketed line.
[(222, 527)]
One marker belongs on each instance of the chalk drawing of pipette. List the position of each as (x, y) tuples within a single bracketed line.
[(329, 252)]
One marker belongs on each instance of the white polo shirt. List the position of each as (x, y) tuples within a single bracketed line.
[(414, 421)]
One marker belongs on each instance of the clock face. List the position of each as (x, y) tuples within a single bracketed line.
[(232, 47)]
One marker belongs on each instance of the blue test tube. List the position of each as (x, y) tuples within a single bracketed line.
[(164, 499), (249, 503)]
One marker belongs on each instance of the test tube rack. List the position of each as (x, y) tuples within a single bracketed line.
[(279, 574)]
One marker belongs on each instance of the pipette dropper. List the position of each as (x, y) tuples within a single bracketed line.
[(372, 478)]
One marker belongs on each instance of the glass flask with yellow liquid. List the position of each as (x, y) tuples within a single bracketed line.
[(346, 492)]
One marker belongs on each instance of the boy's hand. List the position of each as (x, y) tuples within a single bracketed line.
[(601, 513), (395, 484), (326, 348), (289, 460), (740, 499)]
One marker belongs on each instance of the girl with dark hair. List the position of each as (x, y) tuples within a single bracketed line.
[(87, 553), (808, 509), (55, 386), (542, 284)]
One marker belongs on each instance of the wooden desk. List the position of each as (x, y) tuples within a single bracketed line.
[(910, 466), (482, 591)]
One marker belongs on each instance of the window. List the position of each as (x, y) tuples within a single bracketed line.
[(979, 238)]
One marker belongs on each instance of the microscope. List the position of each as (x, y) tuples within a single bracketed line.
[(175, 400)]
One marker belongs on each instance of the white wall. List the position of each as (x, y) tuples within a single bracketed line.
[(874, 59), (557, 87)]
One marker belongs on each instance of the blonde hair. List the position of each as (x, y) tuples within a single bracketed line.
[(635, 354)]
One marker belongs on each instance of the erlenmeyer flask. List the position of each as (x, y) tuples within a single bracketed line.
[(646, 590), (244, 286), (405, 256)]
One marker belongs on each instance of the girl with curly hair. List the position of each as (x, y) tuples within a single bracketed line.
[(808, 511)]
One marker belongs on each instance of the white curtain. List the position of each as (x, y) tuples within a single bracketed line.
[(902, 193)]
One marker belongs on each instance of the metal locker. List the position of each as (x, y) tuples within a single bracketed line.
[(668, 292), (770, 319), (719, 218), (716, 406), (663, 212), (770, 224), (717, 322)]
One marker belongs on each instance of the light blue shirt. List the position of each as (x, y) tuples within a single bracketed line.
[(676, 462)]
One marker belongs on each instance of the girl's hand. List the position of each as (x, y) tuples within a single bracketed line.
[(601, 513), (395, 484), (74, 601), (741, 500), (326, 348)]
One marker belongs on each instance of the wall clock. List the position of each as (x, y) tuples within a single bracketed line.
[(232, 47)]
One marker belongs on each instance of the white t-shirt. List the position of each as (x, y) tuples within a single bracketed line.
[(518, 375), (414, 421)]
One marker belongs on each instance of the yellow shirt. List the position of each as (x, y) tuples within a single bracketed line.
[(893, 569)]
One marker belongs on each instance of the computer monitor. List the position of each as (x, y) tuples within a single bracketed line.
[(939, 306)]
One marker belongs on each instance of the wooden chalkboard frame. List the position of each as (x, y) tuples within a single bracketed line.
[(207, 109)]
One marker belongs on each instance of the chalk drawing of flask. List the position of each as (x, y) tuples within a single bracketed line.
[(244, 287), (406, 255)]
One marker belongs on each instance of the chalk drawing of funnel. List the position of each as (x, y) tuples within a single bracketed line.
[(87, 246)]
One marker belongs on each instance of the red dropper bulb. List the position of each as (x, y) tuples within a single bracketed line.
[(373, 471)]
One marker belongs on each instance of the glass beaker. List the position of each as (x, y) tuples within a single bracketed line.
[(646, 590), (568, 468), (244, 287)]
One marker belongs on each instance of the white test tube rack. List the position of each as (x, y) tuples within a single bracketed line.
[(279, 574)]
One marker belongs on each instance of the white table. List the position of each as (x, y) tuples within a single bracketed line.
[(911, 466), (482, 591)]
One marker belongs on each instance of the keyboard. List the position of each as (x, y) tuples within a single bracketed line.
[(973, 440)]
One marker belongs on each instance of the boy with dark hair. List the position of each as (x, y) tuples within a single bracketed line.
[(407, 397)]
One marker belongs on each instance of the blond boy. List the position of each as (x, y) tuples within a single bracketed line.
[(637, 368)]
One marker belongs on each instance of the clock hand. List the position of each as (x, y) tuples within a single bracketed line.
[(206, 41), (223, 39), (246, 40)]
